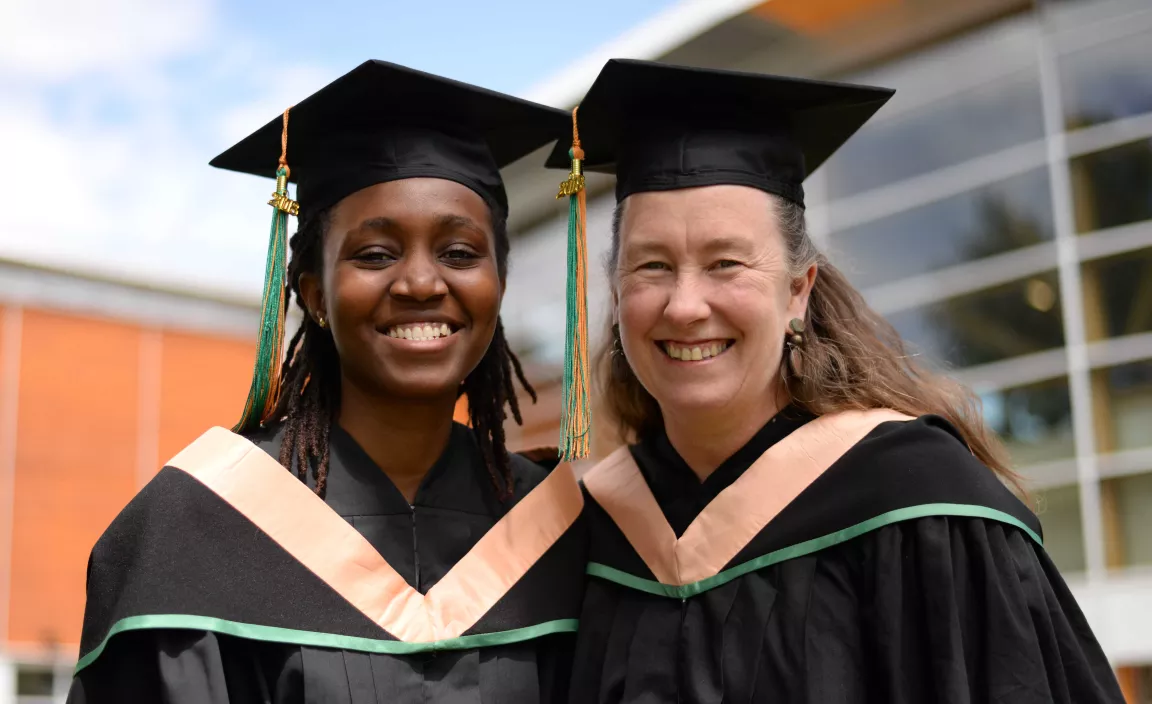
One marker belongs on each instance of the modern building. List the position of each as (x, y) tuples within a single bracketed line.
[(998, 211)]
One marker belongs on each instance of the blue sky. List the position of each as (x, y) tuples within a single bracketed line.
[(111, 109)]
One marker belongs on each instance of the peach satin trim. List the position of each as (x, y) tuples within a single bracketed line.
[(740, 512), (284, 508)]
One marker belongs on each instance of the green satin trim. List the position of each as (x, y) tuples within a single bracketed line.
[(806, 548), (323, 640)]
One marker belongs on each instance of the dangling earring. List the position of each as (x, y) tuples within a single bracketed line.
[(620, 369), (617, 345), (321, 321), (795, 340), (796, 326)]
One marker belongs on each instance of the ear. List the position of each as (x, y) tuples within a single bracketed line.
[(312, 292), (801, 291)]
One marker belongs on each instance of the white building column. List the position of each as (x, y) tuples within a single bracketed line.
[(7, 681)]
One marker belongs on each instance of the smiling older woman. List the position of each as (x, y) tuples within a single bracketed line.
[(806, 515)]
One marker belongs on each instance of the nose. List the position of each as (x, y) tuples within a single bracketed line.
[(687, 304), (419, 278)]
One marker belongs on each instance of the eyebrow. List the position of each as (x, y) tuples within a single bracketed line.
[(380, 224), (446, 222), (645, 247), (726, 243), (715, 244), (442, 222)]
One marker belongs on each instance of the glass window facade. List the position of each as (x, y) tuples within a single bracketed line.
[(1059, 511), (1035, 421), (1124, 396), (980, 121), (1130, 533), (935, 255), (1113, 187), (1118, 295), (1107, 82), (992, 219), (1008, 320)]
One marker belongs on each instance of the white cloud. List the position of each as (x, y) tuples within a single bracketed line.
[(133, 194), (57, 39)]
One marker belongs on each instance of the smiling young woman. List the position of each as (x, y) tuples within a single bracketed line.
[(349, 542), (805, 515)]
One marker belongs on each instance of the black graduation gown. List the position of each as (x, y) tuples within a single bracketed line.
[(905, 574), (179, 552)]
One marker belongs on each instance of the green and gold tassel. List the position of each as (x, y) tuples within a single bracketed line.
[(264, 393), (575, 417)]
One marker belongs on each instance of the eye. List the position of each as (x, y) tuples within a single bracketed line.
[(374, 255), (653, 266), (459, 256), (726, 264)]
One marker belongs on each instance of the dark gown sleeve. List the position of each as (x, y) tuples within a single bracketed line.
[(175, 667), (949, 611)]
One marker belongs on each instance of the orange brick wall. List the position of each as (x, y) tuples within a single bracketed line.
[(75, 463), (80, 455), (203, 382)]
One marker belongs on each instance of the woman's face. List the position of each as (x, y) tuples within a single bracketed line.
[(704, 297), (409, 286)]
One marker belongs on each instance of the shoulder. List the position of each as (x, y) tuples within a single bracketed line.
[(174, 496), (915, 441), (267, 439), (530, 467), (923, 462)]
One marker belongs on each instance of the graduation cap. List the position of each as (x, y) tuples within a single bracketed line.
[(660, 127), (380, 122)]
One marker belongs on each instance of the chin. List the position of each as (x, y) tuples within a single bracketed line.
[(429, 382), (693, 400)]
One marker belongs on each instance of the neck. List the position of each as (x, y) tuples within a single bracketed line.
[(704, 439), (403, 437)]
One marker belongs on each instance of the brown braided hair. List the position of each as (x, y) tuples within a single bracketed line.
[(310, 375)]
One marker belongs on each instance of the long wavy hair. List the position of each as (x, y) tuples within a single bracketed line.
[(851, 359)]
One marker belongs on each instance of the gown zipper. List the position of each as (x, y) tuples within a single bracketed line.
[(415, 546)]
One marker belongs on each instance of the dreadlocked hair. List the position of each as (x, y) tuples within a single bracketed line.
[(310, 375)]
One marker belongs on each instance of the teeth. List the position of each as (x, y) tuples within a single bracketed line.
[(694, 354), (420, 331)]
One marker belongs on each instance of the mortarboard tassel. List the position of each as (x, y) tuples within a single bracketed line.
[(264, 393), (575, 418)]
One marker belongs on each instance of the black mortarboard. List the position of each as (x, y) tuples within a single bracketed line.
[(377, 123), (660, 127), (383, 122)]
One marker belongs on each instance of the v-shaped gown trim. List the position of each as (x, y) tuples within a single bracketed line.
[(740, 512), (258, 487)]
